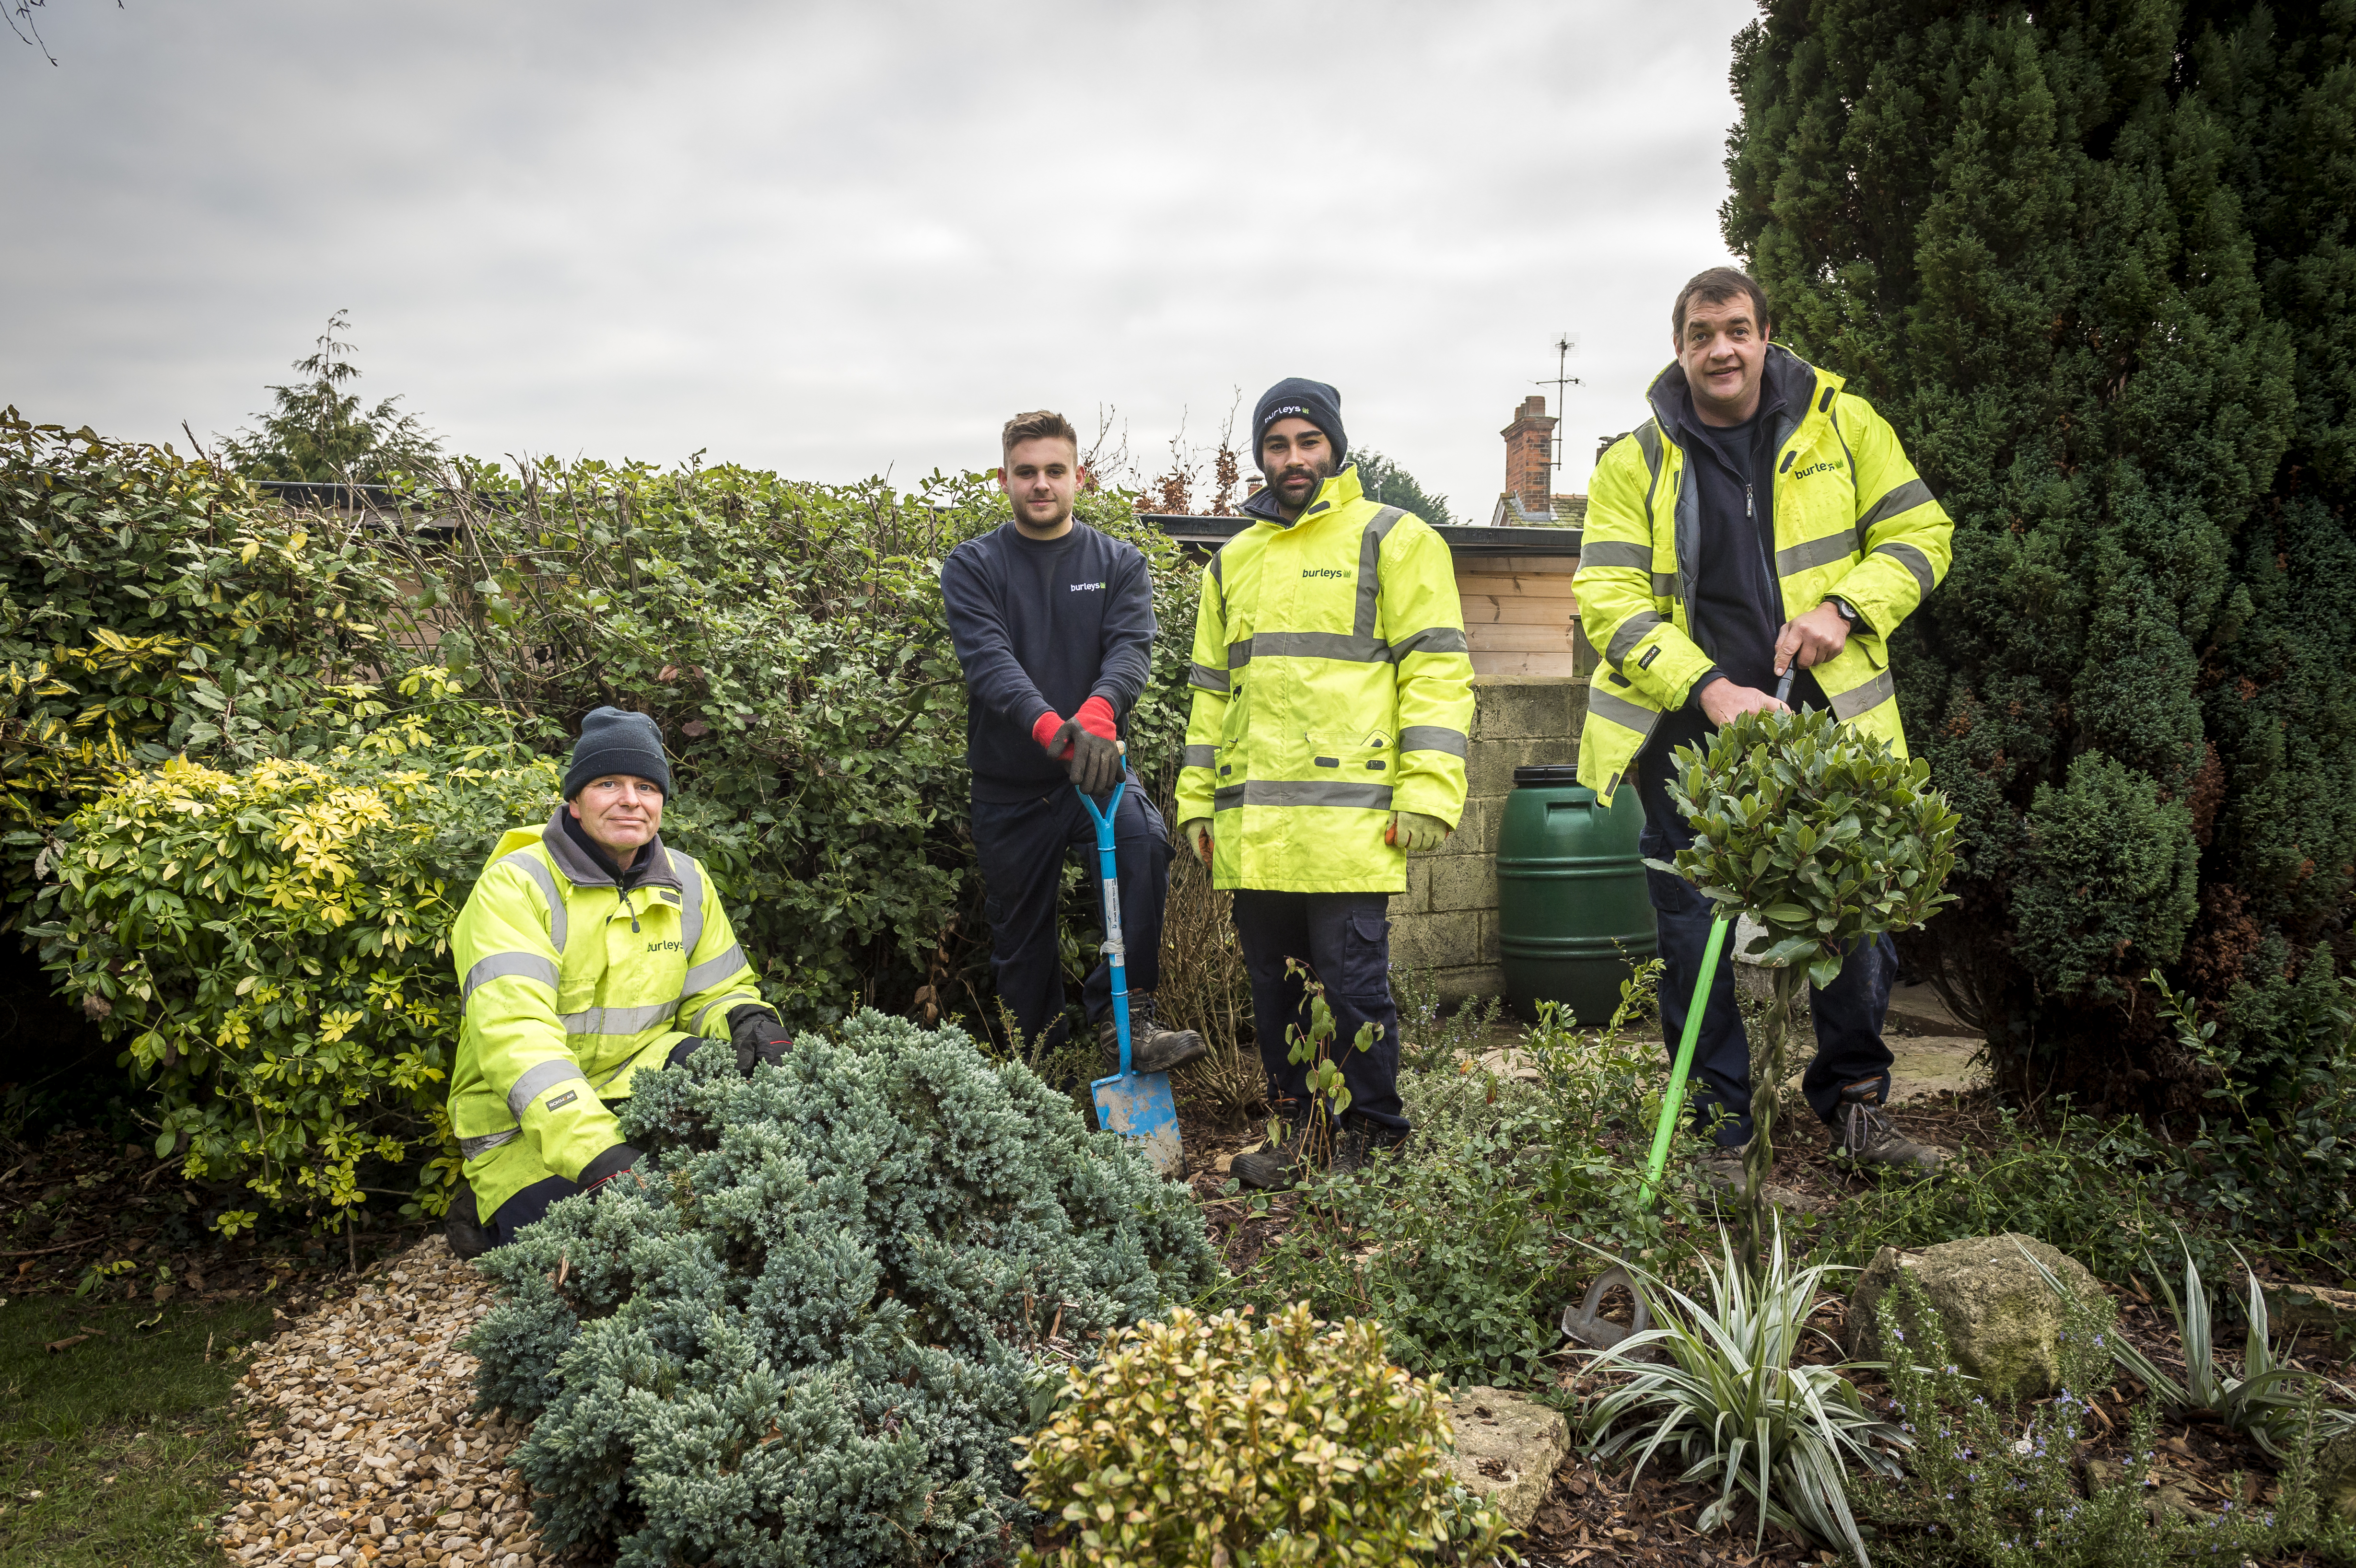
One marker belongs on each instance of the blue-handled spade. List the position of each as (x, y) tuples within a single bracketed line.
[(1134, 1105)]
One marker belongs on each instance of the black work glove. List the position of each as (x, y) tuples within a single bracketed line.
[(607, 1166), (1095, 762), (758, 1037)]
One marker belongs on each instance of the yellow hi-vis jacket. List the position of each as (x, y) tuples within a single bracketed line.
[(572, 986), (1852, 520), (1331, 688)]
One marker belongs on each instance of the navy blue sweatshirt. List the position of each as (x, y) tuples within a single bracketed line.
[(1042, 626), (1738, 608)]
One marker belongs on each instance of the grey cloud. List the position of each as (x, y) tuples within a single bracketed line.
[(837, 239)]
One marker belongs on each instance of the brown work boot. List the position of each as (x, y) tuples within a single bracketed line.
[(1274, 1167), (1863, 1137), (1721, 1167), (1151, 1048)]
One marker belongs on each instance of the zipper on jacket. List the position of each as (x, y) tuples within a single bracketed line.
[(623, 895)]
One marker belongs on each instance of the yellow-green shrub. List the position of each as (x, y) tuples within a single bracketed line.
[(1197, 1440), (272, 948)]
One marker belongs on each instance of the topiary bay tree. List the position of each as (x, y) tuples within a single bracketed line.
[(2091, 260), (1828, 839)]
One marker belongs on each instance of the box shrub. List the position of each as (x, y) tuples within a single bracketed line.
[(1197, 1440), (810, 1329)]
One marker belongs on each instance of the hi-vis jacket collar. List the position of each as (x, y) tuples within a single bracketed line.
[(1338, 491), (1792, 391), (584, 872)]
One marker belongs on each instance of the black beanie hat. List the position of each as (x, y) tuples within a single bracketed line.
[(1295, 399), (615, 742)]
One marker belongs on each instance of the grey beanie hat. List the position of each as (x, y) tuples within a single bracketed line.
[(615, 741)]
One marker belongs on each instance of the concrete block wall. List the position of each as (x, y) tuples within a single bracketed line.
[(1446, 921)]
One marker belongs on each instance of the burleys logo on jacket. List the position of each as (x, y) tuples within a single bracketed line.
[(1088, 587), (1323, 571), (1833, 465)]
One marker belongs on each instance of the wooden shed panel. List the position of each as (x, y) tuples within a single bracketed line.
[(1506, 661)]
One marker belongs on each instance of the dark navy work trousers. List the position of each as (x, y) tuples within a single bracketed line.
[(1020, 846), (1346, 941), (1848, 1013)]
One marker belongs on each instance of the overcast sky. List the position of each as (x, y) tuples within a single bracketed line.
[(839, 240)]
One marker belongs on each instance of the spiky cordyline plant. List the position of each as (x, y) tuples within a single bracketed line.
[(1731, 1402), (2268, 1401)]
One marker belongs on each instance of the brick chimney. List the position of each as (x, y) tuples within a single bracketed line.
[(1529, 455)]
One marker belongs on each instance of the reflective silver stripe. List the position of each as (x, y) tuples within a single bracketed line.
[(1648, 441), (1277, 792), (1615, 553), (1814, 553), (616, 1072), (1913, 561), (1340, 645), (1433, 738), (618, 1021), (1430, 640), (1199, 757), (535, 868), (1370, 570), (712, 971), (1864, 699), (1904, 498), (511, 965), (1620, 711), (476, 1148), (1632, 630), (690, 902), (1209, 679), (1664, 585), (538, 1079)]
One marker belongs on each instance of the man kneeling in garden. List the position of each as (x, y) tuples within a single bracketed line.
[(1763, 520), (589, 953)]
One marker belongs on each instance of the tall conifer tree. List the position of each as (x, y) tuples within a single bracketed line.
[(2092, 259)]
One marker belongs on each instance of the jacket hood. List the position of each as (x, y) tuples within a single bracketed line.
[(1336, 493), (1790, 382)]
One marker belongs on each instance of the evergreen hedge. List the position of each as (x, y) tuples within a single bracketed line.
[(2091, 261), (810, 1329)]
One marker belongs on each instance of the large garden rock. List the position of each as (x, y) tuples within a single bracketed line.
[(2316, 1311), (1508, 1446), (2003, 1322)]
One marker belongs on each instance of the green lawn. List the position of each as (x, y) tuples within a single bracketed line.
[(114, 1450)]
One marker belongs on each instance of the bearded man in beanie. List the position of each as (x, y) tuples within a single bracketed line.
[(589, 952), (1332, 695)]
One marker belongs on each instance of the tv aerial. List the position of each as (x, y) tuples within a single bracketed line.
[(1565, 344)]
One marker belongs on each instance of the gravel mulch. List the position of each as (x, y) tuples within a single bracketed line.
[(363, 1449)]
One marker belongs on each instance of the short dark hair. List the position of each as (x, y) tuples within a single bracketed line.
[(1039, 424), (1715, 286)]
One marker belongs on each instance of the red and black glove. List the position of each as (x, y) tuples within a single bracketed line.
[(759, 1039), (602, 1170), (1088, 744)]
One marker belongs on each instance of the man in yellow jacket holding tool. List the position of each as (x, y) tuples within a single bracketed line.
[(1764, 521), (589, 952), (1332, 695)]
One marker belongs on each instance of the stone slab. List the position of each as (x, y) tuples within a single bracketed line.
[(1508, 1446)]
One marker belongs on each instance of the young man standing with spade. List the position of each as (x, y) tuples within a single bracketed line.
[(1053, 623), (1332, 700)]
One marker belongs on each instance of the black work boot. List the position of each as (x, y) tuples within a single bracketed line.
[(1862, 1137), (1151, 1048), (1361, 1143), (1273, 1167), (468, 1236)]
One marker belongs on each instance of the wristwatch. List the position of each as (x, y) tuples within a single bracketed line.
[(1847, 612)]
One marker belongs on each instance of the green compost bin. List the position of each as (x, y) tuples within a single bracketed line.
[(1573, 916)]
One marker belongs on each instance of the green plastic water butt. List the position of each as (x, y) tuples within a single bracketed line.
[(1572, 917)]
